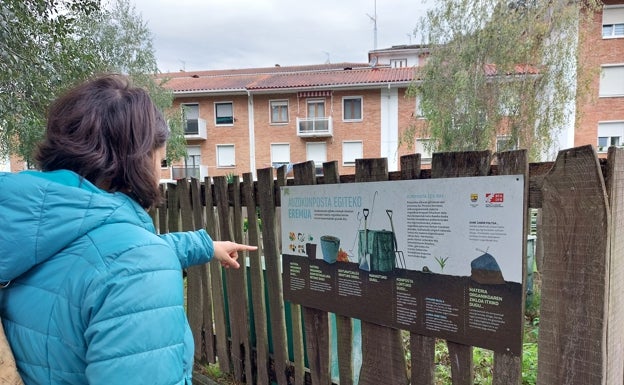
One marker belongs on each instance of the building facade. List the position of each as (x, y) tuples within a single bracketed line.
[(242, 120), (600, 113)]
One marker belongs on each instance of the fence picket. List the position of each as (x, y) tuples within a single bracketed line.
[(344, 325), (507, 368), (316, 321), (256, 277), (571, 346), (453, 165), (221, 289), (266, 202), (207, 279), (193, 274), (383, 360), (615, 189)]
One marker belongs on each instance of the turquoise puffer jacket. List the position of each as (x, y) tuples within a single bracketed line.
[(94, 296)]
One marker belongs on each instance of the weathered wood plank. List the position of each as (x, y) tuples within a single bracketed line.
[(383, 360), (266, 202), (193, 274), (207, 284), (256, 277), (173, 208), (237, 280), (233, 286), (422, 348), (453, 165), (316, 321), (571, 346), (344, 325), (615, 311), (507, 368), (218, 297)]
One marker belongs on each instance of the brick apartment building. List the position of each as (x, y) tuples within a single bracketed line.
[(600, 116), (242, 120)]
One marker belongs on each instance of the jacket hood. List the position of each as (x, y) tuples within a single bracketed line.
[(43, 212)]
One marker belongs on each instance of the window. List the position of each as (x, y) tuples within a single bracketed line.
[(419, 108), (612, 81), (316, 108), (191, 116), (317, 151), (424, 148), (279, 111), (612, 22), (505, 143), (280, 154), (350, 152), (225, 155), (224, 113), (398, 63), (610, 134), (352, 108)]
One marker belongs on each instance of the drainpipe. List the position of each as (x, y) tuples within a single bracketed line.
[(252, 136)]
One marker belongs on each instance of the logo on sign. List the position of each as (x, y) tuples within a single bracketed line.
[(494, 199)]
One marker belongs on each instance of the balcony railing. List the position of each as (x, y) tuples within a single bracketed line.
[(198, 172), (314, 127), (195, 129)]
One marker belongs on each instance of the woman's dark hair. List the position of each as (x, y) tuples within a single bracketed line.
[(107, 131)]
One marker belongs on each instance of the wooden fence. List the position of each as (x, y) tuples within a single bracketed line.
[(240, 320)]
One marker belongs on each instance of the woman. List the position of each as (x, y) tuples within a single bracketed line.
[(92, 294)]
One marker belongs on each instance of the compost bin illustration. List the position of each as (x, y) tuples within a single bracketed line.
[(378, 249)]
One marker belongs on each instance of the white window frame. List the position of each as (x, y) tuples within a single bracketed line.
[(504, 138), (609, 131), (418, 111), (225, 160), (352, 150), (279, 103), (611, 81), (190, 111), (361, 99), (426, 154), (216, 117), (280, 154), (317, 152), (613, 21), (398, 63)]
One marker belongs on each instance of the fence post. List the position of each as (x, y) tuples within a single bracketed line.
[(266, 201), (256, 277), (344, 325), (316, 321), (508, 368), (383, 361), (572, 339), (453, 165), (615, 332), (214, 301)]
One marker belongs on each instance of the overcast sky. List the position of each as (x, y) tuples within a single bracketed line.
[(229, 34)]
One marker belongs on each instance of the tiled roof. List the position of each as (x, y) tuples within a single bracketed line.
[(351, 77), (287, 78), (337, 75)]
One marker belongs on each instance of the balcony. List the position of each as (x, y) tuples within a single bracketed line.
[(195, 129), (314, 127), (198, 172)]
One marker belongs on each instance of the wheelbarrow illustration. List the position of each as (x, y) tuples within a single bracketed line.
[(399, 257)]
